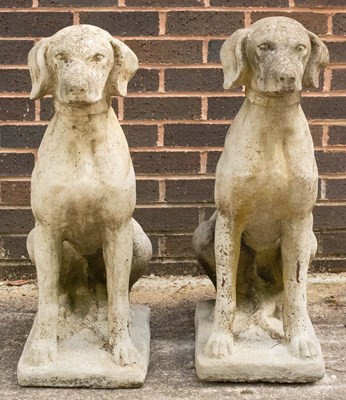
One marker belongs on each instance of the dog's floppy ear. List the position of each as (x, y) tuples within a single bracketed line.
[(319, 58), (125, 66), (234, 61), (38, 70)]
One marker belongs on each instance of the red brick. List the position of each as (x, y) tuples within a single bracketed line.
[(339, 24), (178, 246), (15, 193), (324, 107), (337, 51), (212, 160), (317, 134), (154, 239), (339, 79), (224, 107), (319, 3), (167, 219), (145, 80), (208, 212), (14, 248), (203, 23), (19, 270), (214, 48), (147, 191), (47, 109), (333, 243), (330, 162), (194, 80), (336, 189), (140, 135), (77, 3), (166, 162), (193, 135), (16, 164), (164, 267), (159, 108), (15, 51), (15, 80), (249, 3), (314, 22), (164, 3), (190, 191), (16, 109), (33, 23), (337, 135), (329, 216), (328, 265), (16, 4), (21, 136), (167, 51), (16, 221), (124, 23)]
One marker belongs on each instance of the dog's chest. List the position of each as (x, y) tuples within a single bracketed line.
[(91, 173), (267, 165)]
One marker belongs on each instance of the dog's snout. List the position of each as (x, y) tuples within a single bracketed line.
[(77, 89), (287, 79)]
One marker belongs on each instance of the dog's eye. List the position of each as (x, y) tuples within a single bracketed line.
[(98, 57), (266, 47), (300, 47), (62, 57)]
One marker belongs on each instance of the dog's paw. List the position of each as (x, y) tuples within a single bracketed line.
[(42, 352), (302, 346), (125, 353), (219, 345)]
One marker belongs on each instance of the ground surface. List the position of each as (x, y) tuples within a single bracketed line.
[(171, 372)]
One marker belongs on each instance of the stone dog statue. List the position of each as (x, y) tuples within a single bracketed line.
[(83, 191), (260, 240)]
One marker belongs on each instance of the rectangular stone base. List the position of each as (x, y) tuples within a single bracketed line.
[(256, 356), (84, 361)]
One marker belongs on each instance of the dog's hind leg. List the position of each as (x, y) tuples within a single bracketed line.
[(142, 252), (74, 293), (203, 242)]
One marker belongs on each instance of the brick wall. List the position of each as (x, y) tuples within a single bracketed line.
[(175, 116)]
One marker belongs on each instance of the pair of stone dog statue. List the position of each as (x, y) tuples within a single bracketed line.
[(256, 248)]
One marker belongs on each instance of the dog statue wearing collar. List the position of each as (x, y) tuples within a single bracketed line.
[(87, 248), (259, 243)]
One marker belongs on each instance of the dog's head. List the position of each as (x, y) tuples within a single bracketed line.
[(274, 55), (80, 64)]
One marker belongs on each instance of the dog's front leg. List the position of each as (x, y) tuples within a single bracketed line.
[(117, 252), (47, 249), (227, 249), (296, 248)]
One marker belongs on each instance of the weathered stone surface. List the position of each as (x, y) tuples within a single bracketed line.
[(87, 249), (256, 355), (258, 245), (82, 360)]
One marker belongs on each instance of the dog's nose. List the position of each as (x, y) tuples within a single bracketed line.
[(287, 79), (77, 89)]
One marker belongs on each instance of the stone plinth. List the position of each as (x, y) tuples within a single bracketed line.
[(84, 357), (257, 356)]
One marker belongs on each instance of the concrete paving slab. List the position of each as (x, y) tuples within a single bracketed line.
[(171, 373)]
